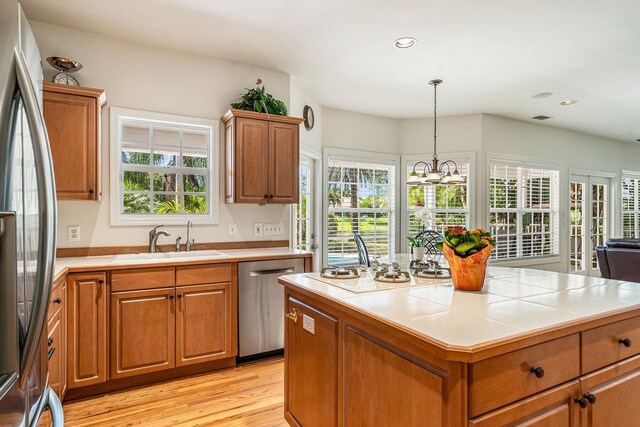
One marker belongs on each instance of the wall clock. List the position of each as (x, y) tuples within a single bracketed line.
[(309, 119)]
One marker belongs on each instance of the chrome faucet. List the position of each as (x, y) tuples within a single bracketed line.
[(192, 241), (153, 237), (178, 243)]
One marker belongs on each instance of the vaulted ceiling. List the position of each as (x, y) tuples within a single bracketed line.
[(493, 55)]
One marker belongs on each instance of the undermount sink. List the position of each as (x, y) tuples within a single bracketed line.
[(169, 255)]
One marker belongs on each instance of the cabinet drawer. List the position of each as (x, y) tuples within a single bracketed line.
[(506, 378), (56, 300), (606, 345), (203, 274), (142, 278)]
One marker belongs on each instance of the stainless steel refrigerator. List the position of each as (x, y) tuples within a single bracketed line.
[(27, 227)]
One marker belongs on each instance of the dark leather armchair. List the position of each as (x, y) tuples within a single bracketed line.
[(620, 259)]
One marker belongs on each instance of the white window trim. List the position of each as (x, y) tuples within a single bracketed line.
[(461, 157), (355, 156), (529, 162), (624, 173), (119, 219)]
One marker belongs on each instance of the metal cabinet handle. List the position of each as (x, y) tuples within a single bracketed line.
[(272, 271), (100, 281), (51, 351), (625, 342), (292, 315), (171, 297), (271, 196), (591, 398), (180, 295), (538, 372), (91, 191), (50, 341), (583, 402), (58, 300)]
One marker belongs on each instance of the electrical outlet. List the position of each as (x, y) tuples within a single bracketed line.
[(232, 229), (309, 324), (279, 229), (268, 229), (73, 233), (257, 229)]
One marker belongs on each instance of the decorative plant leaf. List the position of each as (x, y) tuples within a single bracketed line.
[(257, 99)]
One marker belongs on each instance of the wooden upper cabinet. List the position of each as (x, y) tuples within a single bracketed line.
[(205, 325), (262, 156), (142, 332), (86, 329), (284, 158), (72, 116)]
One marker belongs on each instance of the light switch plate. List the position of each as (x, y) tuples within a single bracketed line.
[(309, 324), (232, 229), (73, 233), (257, 229)]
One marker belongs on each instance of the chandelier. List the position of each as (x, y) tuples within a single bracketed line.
[(436, 172)]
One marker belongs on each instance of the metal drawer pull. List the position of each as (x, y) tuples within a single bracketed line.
[(293, 315), (625, 342), (273, 271), (586, 399), (51, 351), (50, 341), (538, 372), (58, 300)]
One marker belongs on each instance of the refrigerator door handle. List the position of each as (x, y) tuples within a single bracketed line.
[(57, 415), (46, 195)]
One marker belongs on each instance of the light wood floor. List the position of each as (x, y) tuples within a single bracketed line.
[(249, 395)]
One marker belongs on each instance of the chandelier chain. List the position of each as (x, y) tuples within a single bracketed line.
[(435, 121)]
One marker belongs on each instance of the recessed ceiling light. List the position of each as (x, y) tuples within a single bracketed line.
[(405, 42), (569, 102), (542, 95)]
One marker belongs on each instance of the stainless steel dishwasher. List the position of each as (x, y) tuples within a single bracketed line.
[(261, 305)]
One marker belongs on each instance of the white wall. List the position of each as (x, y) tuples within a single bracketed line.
[(356, 131), (455, 134), (147, 78)]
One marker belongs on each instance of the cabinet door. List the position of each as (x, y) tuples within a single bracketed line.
[(205, 326), (72, 125), (55, 345), (616, 389), (87, 329), (252, 160), (551, 408), (63, 343), (284, 162), (311, 367), (142, 332)]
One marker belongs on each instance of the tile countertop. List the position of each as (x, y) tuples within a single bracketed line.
[(106, 262), (514, 301)]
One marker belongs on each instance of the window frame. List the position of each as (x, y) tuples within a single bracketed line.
[(630, 175), (392, 160), (460, 157), (118, 218), (529, 163)]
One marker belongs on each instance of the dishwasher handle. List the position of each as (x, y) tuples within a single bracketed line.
[(271, 271)]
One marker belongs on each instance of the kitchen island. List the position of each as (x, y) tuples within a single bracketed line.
[(533, 348)]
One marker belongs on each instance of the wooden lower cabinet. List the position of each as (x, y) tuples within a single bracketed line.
[(56, 349), (86, 329), (386, 387), (551, 408), (142, 332), (616, 390), (205, 325), (311, 368)]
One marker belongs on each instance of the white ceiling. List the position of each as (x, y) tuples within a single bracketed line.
[(493, 55)]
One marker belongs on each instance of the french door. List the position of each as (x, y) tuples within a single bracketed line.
[(304, 237), (590, 221)]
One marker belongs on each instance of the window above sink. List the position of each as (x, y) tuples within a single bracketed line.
[(164, 168)]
